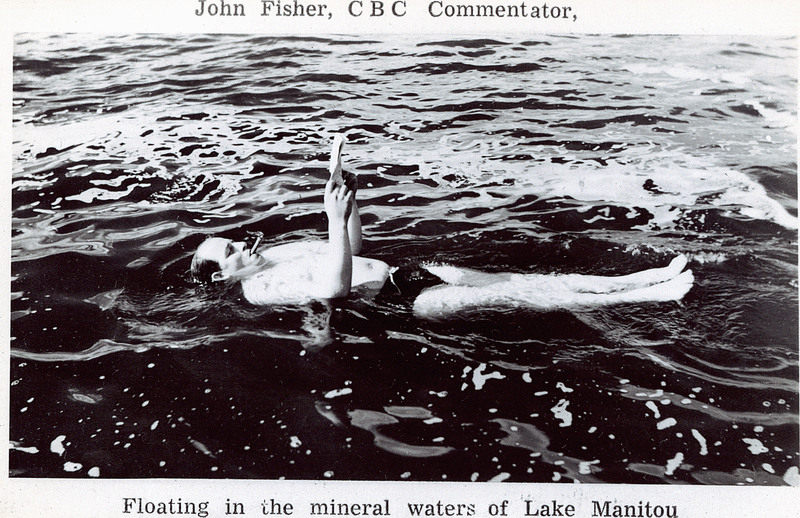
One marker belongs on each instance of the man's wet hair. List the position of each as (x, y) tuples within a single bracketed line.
[(203, 269)]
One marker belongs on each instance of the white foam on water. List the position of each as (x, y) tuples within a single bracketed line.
[(57, 445), (708, 257), (792, 477), (755, 446), (702, 441), (673, 464), (774, 118), (685, 73), (667, 184), (199, 446), (479, 379), (563, 387), (666, 423), (560, 412), (89, 196), (338, 392), (29, 449)]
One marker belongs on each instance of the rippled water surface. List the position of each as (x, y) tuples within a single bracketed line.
[(595, 154)]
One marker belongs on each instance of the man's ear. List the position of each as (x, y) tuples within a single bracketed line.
[(219, 276)]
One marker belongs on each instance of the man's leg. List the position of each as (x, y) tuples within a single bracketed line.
[(673, 289), (602, 284), (466, 276)]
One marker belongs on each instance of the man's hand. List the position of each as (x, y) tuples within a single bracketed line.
[(338, 202), (351, 181)]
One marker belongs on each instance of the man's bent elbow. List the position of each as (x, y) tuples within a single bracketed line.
[(333, 291), (340, 292)]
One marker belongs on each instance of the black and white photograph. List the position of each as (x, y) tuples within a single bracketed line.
[(556, 258), (372, 258)]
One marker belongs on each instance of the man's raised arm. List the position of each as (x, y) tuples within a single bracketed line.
[(337, 274)]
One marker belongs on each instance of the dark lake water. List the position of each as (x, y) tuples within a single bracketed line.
[(595, 154)]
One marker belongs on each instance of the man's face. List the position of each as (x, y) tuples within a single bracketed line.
[(231, 256)]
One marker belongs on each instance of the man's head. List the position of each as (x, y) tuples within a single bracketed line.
[(218, 259)]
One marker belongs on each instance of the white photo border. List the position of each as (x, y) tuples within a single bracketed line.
[(59, 498)]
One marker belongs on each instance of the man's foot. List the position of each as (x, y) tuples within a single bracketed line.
[(676, 266), (673, 289), (650, 277)]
